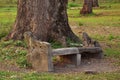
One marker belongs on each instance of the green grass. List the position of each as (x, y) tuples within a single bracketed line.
[(51, 76), (113, 52), (7, 18), (100, 17), (97, 21), (14, 52), (71, 4)]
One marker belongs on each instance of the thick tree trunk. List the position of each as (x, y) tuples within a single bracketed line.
[(46, 19), (87, 7), (95, 3)]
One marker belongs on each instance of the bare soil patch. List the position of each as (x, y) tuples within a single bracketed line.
[(96, 65), (105, 30), (89, 64)]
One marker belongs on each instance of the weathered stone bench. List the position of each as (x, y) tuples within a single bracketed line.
[(76, 53), (40, 53), (73, 54)]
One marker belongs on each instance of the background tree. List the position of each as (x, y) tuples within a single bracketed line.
[(87, 7), (46, 19), (95, 3), (73, 0)]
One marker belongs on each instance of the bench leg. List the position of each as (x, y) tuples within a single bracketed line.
[(76, 59), (100, 55)]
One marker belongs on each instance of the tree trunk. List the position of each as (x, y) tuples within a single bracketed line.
[(46, 19), (73, 0), (95, 3), (87, 7)]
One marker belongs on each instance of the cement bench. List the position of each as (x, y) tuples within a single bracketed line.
[(73, 52), (40, 53), (76, 53)]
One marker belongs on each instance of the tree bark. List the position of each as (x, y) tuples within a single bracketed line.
[(95, 3), (73, 0), (46, 19), (87, 7)]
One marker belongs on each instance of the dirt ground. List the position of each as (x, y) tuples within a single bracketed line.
[(96, 65), (102, 30)]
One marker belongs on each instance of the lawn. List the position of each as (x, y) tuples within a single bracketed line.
[(54, 76)]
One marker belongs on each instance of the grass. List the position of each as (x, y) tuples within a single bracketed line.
[(97, 21), (14, 52), (107, 15), (71, 4), (113, 52), (7, 17), (100, 17), (51, 76)]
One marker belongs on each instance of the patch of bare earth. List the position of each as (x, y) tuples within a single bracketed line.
[(95, 65), (89, 64), (102, 30), (9, 67)]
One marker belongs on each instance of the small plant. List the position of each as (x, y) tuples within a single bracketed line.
[(22, 61), (6, 54), (72, 43), (112, 53), (20, 43), (56, 45), (3, 34), (6, 43), (80, 24), (111, 37)]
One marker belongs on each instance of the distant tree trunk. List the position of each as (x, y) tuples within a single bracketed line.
[(87, 7), (46, 19), (73, 0), (95, 3)]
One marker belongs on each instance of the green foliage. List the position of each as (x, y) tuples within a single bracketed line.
[(20, 43), (22, 60), (56, 45), (6, 43), (80, 24), (112, 52), (2, 34), (17, 43), (111, 37), (3, 31), (14, 51), (71, 4)]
